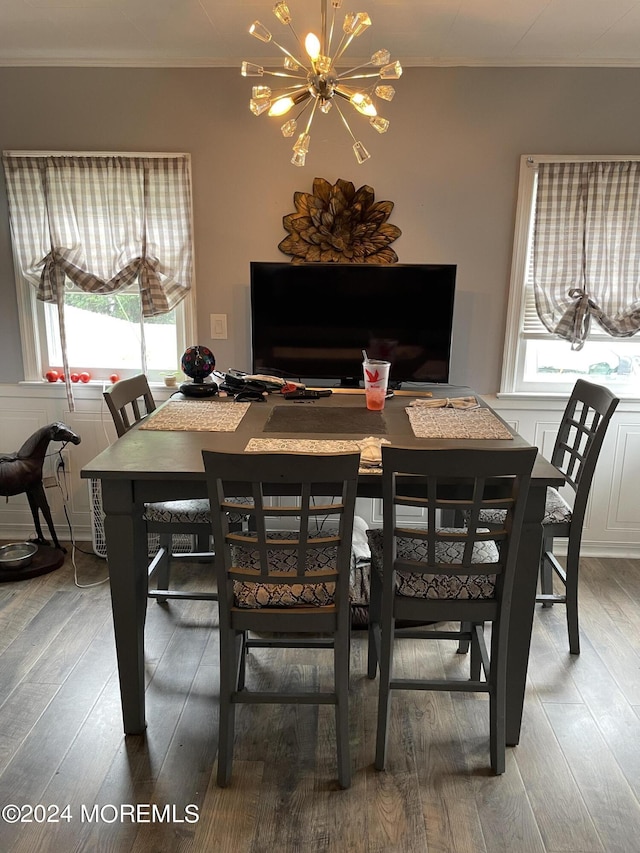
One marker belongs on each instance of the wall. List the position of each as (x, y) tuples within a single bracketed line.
[(449, 163)]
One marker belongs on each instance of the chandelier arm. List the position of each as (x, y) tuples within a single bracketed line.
[(345, 122), (276, 94), (306, 106), (313, 112), (333, 22), (341, 47), (323, 27), (290, 55), (284, 74), (344, 44), (296, 36), (343, 74)]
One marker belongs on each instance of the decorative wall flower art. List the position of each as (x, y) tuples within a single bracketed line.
[(338, 224)]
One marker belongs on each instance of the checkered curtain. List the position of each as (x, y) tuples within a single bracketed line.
[(586, 248), (104, 223)]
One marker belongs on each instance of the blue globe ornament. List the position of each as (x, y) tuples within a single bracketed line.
[(198, 362)]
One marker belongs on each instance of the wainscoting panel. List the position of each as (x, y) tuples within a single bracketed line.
[(623, 509), (613, 516)]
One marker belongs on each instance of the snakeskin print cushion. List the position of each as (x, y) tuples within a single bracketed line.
[(194, 511), (256, 595), (556, 511), (418, 585)]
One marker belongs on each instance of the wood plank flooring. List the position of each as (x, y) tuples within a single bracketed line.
[(571, 786)]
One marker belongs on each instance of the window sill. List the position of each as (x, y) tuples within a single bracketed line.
[(533, 400)]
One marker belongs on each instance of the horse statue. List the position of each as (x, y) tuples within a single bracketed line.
[(21, 471)]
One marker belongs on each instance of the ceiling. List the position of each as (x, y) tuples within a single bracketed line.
[(418, 32)]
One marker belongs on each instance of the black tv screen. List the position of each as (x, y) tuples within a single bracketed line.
[(312, 321)]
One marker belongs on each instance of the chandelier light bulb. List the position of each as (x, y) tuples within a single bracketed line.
[(316, 80), (363, 104), (312, 46), (281, 106)]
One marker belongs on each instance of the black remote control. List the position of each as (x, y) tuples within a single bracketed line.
[(306, 394)]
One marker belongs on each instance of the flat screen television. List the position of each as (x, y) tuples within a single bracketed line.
[(312, 321)]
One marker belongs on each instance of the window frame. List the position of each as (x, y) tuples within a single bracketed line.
[(512, 380), (31, 311)]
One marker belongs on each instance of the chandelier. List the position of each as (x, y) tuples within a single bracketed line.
[(315, 81)]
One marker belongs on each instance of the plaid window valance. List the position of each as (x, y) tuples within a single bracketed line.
[(586, 248), (103, 223)]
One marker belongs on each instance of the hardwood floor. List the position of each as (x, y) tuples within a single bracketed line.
[(571, 786)]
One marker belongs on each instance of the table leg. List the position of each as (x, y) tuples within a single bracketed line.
[(127, 555), (522, 610)]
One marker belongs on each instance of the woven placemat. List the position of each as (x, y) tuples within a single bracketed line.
[(456, 423), (306, 445), (197, 416)]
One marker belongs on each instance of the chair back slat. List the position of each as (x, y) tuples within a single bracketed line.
[(469, 480), (129, 401), (260, 553), (581, 433)]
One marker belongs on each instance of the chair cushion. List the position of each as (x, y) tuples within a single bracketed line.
[(419, 585), (193, 511), (179, 512), (556, 511), (256, 595)]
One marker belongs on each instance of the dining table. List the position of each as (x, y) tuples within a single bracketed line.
[(161, 459)]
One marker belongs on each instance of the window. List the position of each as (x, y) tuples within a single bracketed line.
[(116, 231), (536, 360)]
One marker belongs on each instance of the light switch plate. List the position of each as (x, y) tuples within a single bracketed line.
[(219, 326)]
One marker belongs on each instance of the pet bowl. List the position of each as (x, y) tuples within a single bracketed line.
[(17, 555)]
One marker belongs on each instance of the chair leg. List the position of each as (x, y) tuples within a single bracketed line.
[(375, 607), (476, 656), (230, 647), (546, 571), (572, 572), (163, 569), (384, 690), (497, 705), (463, 643), (202, 543), (341, 676)]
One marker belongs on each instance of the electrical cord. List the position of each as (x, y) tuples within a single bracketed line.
[(61, 483)]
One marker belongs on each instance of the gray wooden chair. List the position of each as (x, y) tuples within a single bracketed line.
[(577, 446), (424, 576), (294, 582), (130, 401), (576, 450)]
